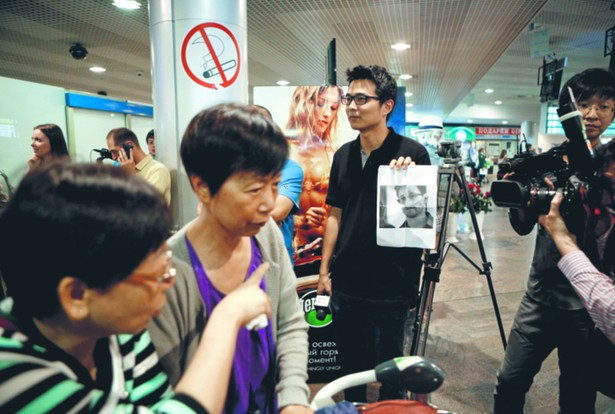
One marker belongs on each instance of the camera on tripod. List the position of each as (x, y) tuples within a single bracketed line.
[(569, 168), (448, 149)]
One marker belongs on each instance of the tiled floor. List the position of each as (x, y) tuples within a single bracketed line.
[(463, 336)]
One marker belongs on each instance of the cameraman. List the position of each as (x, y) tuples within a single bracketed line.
[(550, 314), (595, 289), (592, 269)]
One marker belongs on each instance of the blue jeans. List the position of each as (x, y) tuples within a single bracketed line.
[(368, 333)]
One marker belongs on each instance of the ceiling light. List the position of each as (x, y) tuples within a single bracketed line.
[(98, 69), (283, 82), (127, 4), (409, 105), (405, 76), (408, 94), (504, 122), (488, 90), (400, 46), (469, 121), (498, 102)]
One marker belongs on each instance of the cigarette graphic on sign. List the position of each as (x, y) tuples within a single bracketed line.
[(224, 66), (210, 55), (209, 65)]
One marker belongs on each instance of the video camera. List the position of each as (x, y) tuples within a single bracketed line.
[(106, 154), (450, 150), (569, 167)]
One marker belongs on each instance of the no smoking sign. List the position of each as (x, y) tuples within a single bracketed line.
[(210, 56)]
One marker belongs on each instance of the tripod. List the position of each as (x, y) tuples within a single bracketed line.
[(452, 171)]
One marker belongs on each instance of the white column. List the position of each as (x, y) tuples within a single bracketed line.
[(199, 59)]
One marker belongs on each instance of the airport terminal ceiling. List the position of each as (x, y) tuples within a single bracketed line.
[(458, 48)]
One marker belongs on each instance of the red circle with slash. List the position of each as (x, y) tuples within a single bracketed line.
[(226, 81)]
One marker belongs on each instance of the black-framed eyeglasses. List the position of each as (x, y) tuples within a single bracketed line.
[(359, 99)]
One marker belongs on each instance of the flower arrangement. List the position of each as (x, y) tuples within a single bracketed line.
[(458, 204), (480, 201)]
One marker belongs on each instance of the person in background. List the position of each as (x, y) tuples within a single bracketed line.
[(551, 315), (154, 172), (481, 167), (72, 332), (151, 144), (503, 156), (233, 156), (372, 287), (473, 160), (47, 143), (289, 193), (312, 134)]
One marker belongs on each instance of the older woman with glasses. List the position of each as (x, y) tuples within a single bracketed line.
[(312, 132), (82, 291), (233, 156)]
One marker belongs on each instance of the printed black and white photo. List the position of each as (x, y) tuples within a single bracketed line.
[(407, 202)]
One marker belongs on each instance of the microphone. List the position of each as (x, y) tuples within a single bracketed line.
[(579, 155), (322, 307)]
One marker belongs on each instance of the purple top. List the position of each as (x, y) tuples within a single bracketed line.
[(251, 383)]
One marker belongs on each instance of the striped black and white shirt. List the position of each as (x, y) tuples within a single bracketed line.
[(38, 377)]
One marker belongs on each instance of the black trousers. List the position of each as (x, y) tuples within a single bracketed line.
[(537, 330), (368, 333)]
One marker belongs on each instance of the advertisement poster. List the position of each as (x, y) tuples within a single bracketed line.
[(315, 123)]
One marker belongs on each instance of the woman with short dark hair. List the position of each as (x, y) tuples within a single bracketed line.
[(233, 156), (86, 265)]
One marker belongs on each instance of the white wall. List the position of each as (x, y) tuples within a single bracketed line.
[(90, 131), (23, 106), (27, 104), (140, 125)]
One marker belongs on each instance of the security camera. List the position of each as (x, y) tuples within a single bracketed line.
[(78, 51)]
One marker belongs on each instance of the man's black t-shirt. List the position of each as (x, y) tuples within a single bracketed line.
[(359, 267)]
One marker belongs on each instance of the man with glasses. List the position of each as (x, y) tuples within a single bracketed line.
[(373, 287), (413, 201), (595, 102), (550, 314)]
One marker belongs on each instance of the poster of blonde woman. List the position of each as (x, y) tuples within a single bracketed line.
[(314, 122)]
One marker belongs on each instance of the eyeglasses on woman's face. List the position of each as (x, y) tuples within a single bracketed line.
[(162, 272), (359, 99)]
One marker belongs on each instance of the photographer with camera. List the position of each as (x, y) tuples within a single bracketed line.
[(125, 149), (550, 314), (590, 269)]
